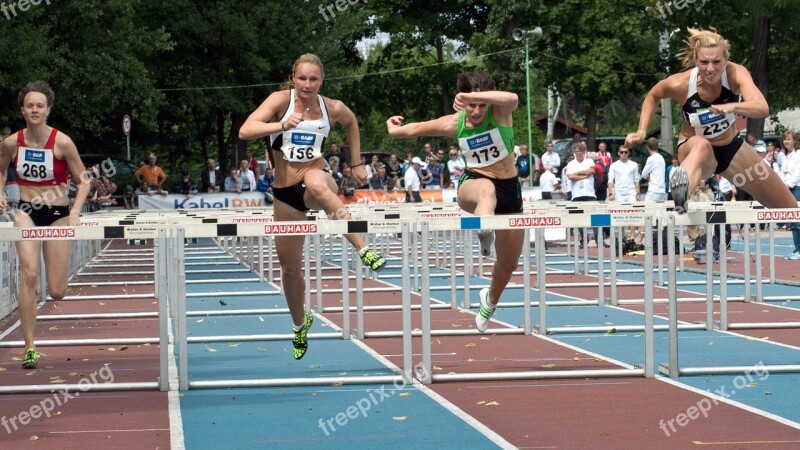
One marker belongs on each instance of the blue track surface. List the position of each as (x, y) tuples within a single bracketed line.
[(407, 418)]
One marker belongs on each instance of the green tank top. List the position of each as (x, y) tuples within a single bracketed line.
[(486, 144)]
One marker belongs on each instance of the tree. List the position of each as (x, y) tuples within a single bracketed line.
[(586, 51)]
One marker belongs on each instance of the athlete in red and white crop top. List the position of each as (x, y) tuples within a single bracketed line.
[(39, 166)]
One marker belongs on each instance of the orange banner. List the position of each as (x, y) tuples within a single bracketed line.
[(376, 197)]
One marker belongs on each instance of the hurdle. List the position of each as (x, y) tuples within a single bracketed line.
[(672, 368), (90, 231)]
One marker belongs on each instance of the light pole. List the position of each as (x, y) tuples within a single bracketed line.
[(528, 36)]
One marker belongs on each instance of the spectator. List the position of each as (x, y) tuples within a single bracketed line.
[(394, 167), (623, 182), (210, 177), (675, 165), (603, 156), (232, 182), (523, 166), (791, 178), (368, 169), (373, 165), (549, 184), (349, 183), (105, 188), (435, 178), (247, 177), (265, 184), (143, 190), (580, 172), (381, 181), (152, 174), (654, 172), (336, 171), (186, 185), (440, 155), (428, 150), (407, 162), (455, 166), (343, 158), (566, 184), (550, 160), (129, 199), (412, 181), (252, 163)]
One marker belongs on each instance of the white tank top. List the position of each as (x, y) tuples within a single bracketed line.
[(303, 143)]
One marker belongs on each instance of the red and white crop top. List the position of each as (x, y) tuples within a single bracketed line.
[(39, 166)]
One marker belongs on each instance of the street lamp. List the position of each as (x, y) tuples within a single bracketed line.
[(528, 36)]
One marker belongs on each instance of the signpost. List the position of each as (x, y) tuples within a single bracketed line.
[(126, 128)]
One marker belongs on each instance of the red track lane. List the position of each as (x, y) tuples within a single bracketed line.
[(622, 413), (116, 419)]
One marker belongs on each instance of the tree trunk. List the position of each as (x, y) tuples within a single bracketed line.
[(236, 145), (759, 69), (223, 155), (446, 108), (591, 127)]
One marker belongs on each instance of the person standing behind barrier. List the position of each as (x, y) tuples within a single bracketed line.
[(654, 171), (670, 170), (482, 126), (247, 177), (47, 158), (298, 120), (211, 177), (151, 173), (550, 160), (412, 181), (791, 178), (580, 173), (709, 93), (455, 165), (623, 181), (523, 166)]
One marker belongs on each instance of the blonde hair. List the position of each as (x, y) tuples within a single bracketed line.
[(309, 58), (700, 38)]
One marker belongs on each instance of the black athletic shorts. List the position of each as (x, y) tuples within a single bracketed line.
[(292, 196), (723, 154), (43, 215), (508, 192)]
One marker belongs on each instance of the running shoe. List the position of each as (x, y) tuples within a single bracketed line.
[(792, 256), (300, 341), (373, 260), (485, 312), (31, 359), (679, 185), (486, 238)]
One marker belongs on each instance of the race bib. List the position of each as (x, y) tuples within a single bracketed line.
[(708, 124), (483, 150), (302, 146), (35, 164)]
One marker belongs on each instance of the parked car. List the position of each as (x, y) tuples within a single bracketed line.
[(120, 170)]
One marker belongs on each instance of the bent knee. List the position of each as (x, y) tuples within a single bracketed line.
[(506, 266), (57, 293)]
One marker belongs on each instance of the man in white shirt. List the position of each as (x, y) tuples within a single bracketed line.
[(580, 173), (654, 171), (548, 183), (412, 181), (550, 160), (623, 181)]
